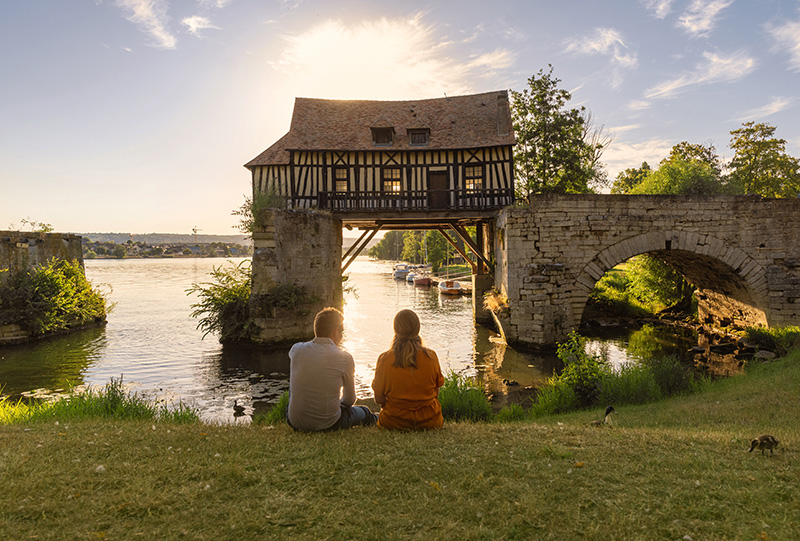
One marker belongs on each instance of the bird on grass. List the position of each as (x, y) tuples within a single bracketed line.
[(237, 409), (764, 442), (606, 420)]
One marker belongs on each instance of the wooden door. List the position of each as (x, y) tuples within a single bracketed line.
[(438, 190)]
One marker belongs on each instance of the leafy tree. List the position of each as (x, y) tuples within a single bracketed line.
[(686, 151), (629, 178), (119, 251), (761, 165), (680, 176), (557, 151), (389, 247)]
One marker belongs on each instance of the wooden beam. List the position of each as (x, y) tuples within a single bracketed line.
[(357, 252), (472, 264), (469, 242)]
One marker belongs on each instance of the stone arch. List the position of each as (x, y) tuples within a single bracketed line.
[(701, 247)]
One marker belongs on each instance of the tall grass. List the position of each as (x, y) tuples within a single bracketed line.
[(587, 381), (112, 401), (462, 398)]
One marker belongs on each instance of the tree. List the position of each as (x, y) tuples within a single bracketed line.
[(557, 150), (629, 178), (760, 164), (680, 176), (119, 252), (696, 152), (390, 246)]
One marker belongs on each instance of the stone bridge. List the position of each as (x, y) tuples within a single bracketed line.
[(741, 252)]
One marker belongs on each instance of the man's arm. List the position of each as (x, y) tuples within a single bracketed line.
[(349, 382)]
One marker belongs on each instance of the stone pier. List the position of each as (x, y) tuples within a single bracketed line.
[(297, 249)]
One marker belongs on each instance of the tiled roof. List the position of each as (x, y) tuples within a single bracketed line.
[(477, 120)]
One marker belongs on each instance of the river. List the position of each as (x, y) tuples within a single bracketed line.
[(152, 342)]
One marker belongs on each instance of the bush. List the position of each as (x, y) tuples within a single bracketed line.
[(223, 306), (582, 372), (779, 340), (462, 398), (671, 376), (51, 298)]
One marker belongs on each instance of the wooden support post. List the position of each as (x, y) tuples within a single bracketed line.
[(458, 249), (358, 251)]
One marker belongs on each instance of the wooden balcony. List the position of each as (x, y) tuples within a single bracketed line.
[(415, 200)]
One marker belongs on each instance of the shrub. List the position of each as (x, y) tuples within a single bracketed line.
[(582, 372), (51, 298), (223, 306), (780, 340), (462, 398)]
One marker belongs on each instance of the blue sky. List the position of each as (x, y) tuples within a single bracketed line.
[(137, 115)]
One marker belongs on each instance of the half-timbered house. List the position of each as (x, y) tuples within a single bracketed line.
[(442, 154)]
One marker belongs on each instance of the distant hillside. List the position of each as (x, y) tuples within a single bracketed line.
[(164, 238)]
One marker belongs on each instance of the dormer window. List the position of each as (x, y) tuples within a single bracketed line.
[(419, 136), (382, 136)]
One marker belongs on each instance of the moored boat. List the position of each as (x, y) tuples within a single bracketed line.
[(422, 280), (450, 287), (401, 270)]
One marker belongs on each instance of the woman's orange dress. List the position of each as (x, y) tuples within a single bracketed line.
[(409, 397)]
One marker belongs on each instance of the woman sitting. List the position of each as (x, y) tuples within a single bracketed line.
[(407, 379)]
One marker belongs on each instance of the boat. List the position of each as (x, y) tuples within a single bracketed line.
[(401, 270), (410, 277), (450, 287), (422, 280)]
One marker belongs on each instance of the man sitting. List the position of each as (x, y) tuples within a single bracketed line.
[(322, 380)]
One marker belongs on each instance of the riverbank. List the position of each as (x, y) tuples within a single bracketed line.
[(663, 471)]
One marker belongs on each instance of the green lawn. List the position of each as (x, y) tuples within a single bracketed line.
[(663, 471)]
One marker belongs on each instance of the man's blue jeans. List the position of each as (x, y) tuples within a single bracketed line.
[(350, 416)]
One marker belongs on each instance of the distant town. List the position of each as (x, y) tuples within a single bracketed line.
[(126, 245)]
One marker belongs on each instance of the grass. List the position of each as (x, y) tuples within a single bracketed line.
[(113, 401), (663, 471)]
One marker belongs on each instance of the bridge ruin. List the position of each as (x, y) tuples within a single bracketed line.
[(741, 252)]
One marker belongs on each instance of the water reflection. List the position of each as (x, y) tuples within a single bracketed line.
[(152, 342)]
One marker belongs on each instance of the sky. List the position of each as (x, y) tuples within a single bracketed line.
[(138, 115)]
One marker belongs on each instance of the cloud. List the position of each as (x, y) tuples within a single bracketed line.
[(701, 16), (777, 105), (196, 23), (621, 155), (219, 4), (787, 38), (609, 42), (715, 69), (151, 17), (661, 8), (615, 130), (399, 58)]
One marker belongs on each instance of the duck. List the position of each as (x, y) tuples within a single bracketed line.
[(606, 420), (237, 409), (764, 442)]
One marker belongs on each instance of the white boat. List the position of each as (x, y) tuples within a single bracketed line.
[(450, 287), (401, 270), (410, 277)]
